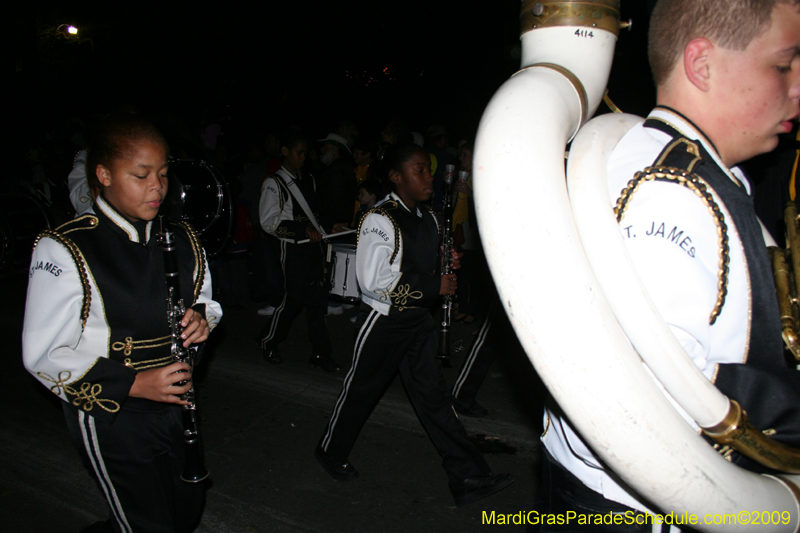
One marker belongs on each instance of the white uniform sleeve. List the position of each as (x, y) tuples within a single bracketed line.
[(68, 359), (376, 244), (213, 309), (52, 326), (673, 241), (276, 219)]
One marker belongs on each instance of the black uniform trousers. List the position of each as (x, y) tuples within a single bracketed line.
[(561, 492), (137, 461), (477, 363), (304, 274), (406, 342)]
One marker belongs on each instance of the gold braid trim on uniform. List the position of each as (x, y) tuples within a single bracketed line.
[(199, 257), (91, 219), (698, 186), (691, 148), (275, 179), (129, 345), (152, 363), (85, 397), (399, 296), (80, 264), (282, 231), (380, 211)]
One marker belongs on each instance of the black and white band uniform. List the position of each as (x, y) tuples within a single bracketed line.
[(396, 265), (303, 268), (96, 315), (727, 320)]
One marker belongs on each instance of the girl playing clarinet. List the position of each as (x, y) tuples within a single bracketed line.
[(96, 332)]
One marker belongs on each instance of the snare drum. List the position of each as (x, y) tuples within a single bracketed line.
[(198, 194), (344, 283)]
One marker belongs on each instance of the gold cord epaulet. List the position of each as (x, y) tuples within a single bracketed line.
[(379, 210), (700, 188), (199, 258), (80, 265)]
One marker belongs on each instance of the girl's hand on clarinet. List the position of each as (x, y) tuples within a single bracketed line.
[(195, 328), (455, 258), (455, 264), (449, 284), (162, 384)]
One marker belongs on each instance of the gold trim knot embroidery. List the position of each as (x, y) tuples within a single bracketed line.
[(86, 397), (282, 232), (399, 296)]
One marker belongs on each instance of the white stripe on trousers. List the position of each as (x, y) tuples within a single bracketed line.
[(276, 315), (89, 433), (473, 354), (360, 341)]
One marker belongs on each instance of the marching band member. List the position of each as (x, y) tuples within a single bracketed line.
[(96, 332), (287, 212), (728, 81), (396, 266)]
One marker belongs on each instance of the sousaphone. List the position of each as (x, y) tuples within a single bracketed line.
[(587, 335)]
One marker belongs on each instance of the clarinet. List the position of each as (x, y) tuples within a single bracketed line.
[(447, 265), (194, 470)]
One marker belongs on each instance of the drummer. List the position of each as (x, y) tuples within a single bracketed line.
[(287, 212)]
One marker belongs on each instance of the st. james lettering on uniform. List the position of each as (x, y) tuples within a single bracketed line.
[(659, 229), (382, 234), (47, 267)]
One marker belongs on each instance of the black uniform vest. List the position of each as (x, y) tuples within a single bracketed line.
[(132, 287), (765, 386), (420, 238)]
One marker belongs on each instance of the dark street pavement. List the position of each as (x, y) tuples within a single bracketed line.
[(260, 426)]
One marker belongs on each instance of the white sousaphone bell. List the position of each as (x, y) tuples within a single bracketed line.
[(572, 287)]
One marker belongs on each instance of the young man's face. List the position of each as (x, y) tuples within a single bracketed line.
[(295, 157), (759, 88)]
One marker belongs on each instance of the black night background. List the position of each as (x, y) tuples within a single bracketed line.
[(257, 66)]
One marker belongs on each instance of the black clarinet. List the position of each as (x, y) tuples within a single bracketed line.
[(194, 469), (447, 265)]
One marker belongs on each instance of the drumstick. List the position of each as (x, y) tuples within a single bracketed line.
[(327, 236)]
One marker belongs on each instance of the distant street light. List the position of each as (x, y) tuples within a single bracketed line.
[(67, 31)]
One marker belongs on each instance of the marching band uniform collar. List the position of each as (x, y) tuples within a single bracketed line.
[(296, 175), (396, 198), (690, 130), (138, 232)]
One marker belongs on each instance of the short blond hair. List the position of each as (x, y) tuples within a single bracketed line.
[(730, 24)]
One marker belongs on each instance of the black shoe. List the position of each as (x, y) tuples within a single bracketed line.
[(474, 410), (272, 356), (337, 470), (475, 488), (325, 362)]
